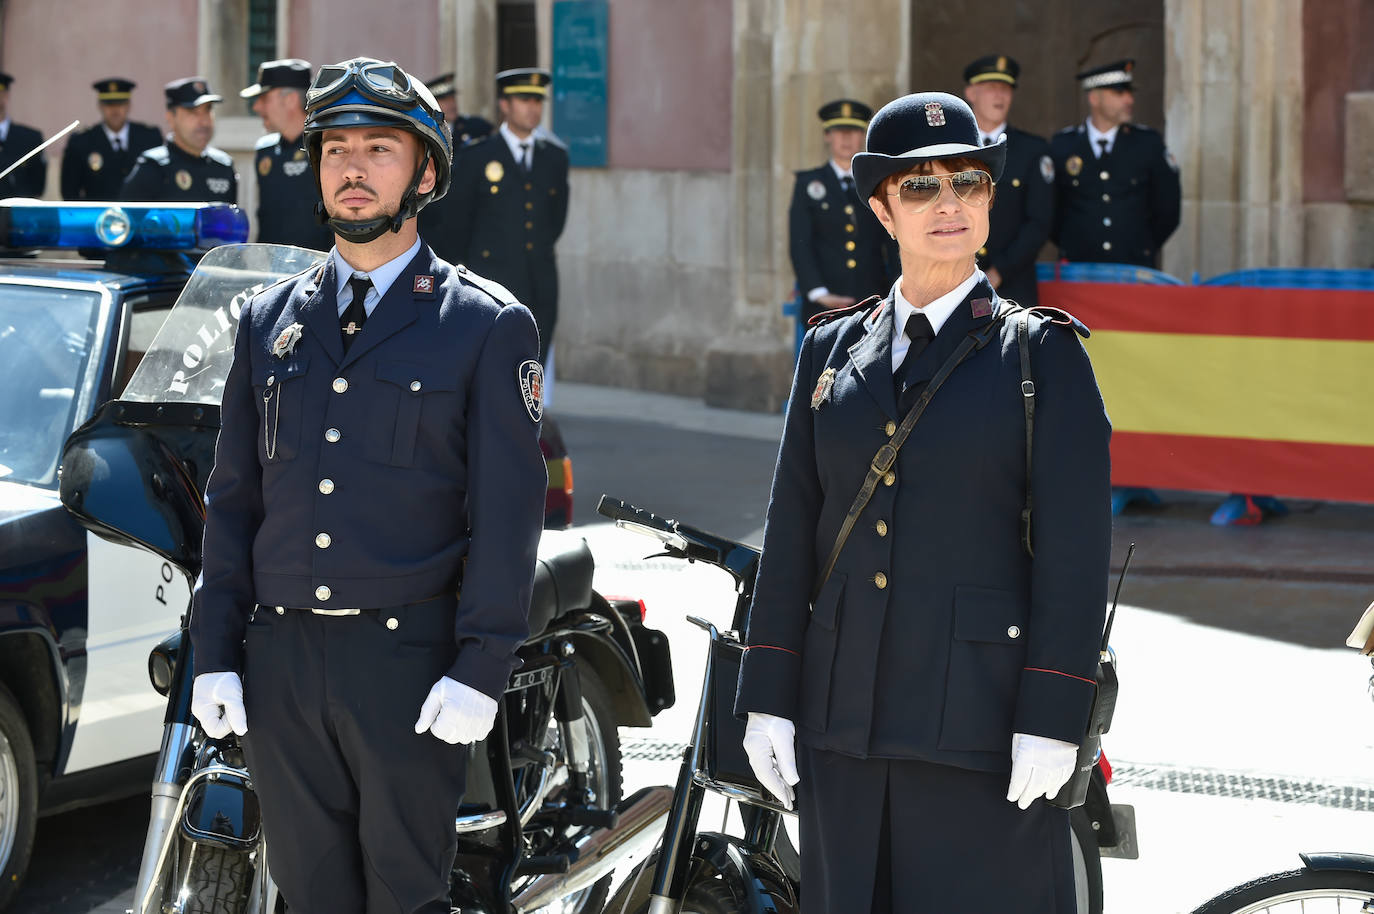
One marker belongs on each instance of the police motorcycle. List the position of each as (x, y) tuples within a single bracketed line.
[(704, 872), (543, 823)]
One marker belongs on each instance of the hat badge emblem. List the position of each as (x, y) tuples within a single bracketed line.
[(846, 110), (111, 87), (935, 114), (1001, 65)]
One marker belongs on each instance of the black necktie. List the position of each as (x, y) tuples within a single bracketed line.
[(355, 315), (116, 144), (847, 182), (525, 157), (920, 332), (1102, 143), (987, 141)]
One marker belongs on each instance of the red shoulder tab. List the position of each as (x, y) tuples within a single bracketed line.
[(834, 313), (1061, 318)]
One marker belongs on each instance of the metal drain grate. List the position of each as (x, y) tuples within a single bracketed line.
[(1209, 782)]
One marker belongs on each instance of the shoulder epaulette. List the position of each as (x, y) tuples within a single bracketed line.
[(268, 141), (493, 288), (1072, 128), (1061, 318), (826, 317), (158, 154), (219, 155)]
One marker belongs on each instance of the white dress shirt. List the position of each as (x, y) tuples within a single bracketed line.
[(988, 137), (1094, 135), (937, 312), (514, 142), (122, 136)]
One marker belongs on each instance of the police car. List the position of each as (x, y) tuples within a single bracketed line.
[(79, 721)]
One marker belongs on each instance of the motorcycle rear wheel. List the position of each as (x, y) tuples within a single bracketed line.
[(208, 880), (1297, 890)]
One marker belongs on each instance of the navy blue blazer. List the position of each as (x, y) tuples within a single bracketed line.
[(382, 477), (936, 637)]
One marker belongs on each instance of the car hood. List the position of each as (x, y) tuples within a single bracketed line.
[(18, 500)]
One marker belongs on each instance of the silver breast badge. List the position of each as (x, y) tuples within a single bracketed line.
[(286, 343), (824, 385)]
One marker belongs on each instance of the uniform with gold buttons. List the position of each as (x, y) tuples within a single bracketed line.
[(1117, 207), (92, 167), (170, 173), (287, 193)]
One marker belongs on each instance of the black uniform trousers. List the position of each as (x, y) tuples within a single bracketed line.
[(357, 808), (902, 836)]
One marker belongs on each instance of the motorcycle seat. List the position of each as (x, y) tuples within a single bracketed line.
[(562, 578)]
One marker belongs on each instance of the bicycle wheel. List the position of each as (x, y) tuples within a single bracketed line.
[(1298, 892)]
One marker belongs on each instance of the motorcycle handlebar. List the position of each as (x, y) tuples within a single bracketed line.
[(682, 540)]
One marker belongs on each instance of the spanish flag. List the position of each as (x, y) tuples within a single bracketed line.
[(1233, 389)]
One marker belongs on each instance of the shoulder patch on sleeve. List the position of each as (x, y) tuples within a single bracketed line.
[(530, 377)]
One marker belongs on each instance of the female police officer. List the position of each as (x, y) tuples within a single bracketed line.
[(379, 450), (937, 655)]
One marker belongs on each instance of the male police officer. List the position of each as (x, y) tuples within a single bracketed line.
[(510, 202), (466, 127), (187, 168), (371, 520), (15, 139), (98, 159), (1020, 220), (1117, 189), (287, 195), (839, 252)]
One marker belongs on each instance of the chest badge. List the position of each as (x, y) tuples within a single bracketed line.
[(815, 190), (1047, 169), (424, 285), (494, 171), (824, 385), (286, 342), (217, 185), (295, 169), (264, 165), (94, 162), (183, 179), (1073, 166)]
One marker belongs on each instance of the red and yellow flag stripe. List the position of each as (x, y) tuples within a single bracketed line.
[(1219, 388)]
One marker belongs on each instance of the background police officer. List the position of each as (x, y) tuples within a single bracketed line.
[(1024, 207), (509, 202), (377, 495), (1117, 188), (466, 127), (287, 193), (839, 252), (99, 158), (187, 168), (15, 139)]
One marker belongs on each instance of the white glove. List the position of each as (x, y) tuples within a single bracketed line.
[(769, 743), (217, 702), (456, 713), (1040, 767)]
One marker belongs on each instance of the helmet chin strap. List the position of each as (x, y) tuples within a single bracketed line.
[(362, 231)]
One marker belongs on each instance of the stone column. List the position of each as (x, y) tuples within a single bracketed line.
[(467, 45), (222, 50), (790, 57), (1233, 110)]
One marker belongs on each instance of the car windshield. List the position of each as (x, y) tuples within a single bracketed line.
[(47, 335), (189, 358)]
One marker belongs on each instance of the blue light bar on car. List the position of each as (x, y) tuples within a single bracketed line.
[(141, 226)]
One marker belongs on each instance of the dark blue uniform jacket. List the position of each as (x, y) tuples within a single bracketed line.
[(936, 637), (835, 240), (436, 474)]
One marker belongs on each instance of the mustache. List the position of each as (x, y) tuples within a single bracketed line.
[(355, 185)]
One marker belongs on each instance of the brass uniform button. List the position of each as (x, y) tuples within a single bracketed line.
[(1106, 245), (1013, 631), (495, 189), (333, 435), (880, 580), (281, 610), (392, 623), (849, 227), (1015, 182), (415, 386), (326, 486), (890, 478), (340, 385), (1106, 198), (271, 379), (849, 245), (323, 540), (1103, 175), (529, 245), (848, 209), (529, 225), (323, 593), (890, 428), (529, 186), (881, 527), (529, 205), (851, 263)]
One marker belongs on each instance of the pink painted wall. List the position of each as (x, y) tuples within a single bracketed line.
[(1337, 36), (55, 49), (327, 31), (669, 98)]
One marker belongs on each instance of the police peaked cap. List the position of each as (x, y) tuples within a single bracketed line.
[(442, 86), (114, 89), (1115, 75), (845, 112), (287, 73), (919, 128), (993, 68)]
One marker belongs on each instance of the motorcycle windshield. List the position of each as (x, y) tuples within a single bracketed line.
[(188, 359)]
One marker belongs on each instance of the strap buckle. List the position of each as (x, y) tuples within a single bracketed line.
[(883, 460), (1028, 389)]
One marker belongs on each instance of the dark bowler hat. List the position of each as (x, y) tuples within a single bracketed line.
[(5, 80), (1116, 75), (113, 89), (289, 73), (993, 68), (191, 92), (442, 86), (921, 128), (524, 81), (845, 112)]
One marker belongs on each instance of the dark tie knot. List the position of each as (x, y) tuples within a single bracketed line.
[(919, 331), (1102, 144), (987, 141)]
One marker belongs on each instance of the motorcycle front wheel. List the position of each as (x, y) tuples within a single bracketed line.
[(1306, 891), (208, 880), (708, 892)]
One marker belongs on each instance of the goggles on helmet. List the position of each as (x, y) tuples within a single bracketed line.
[(381, 82)]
